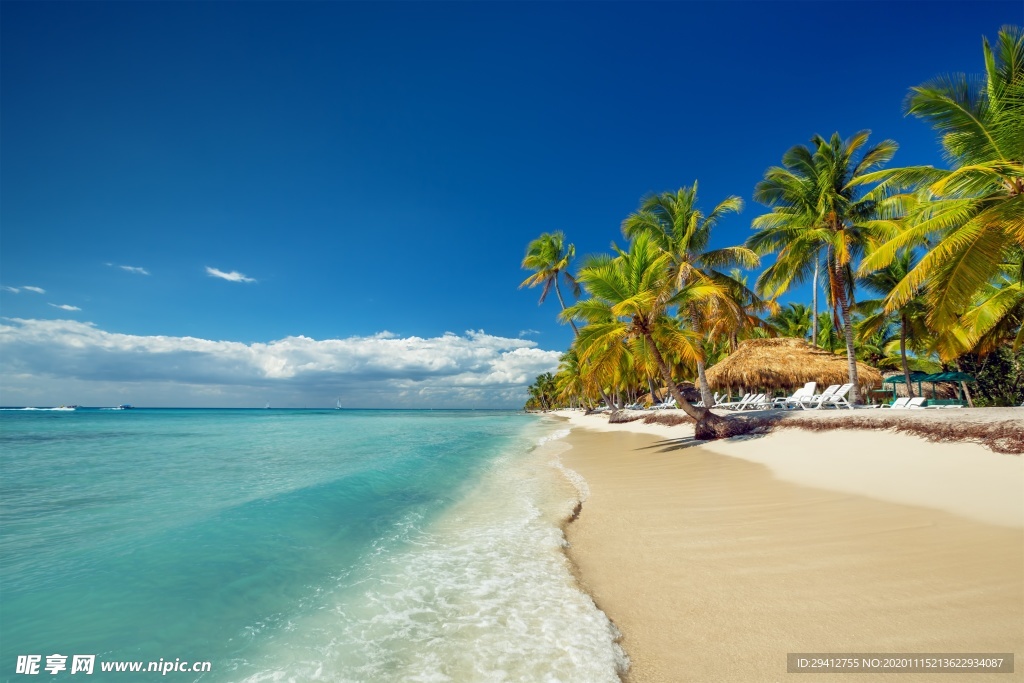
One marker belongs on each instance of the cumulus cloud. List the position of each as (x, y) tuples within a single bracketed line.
[(473, 369), (66, 307), (233, 276)]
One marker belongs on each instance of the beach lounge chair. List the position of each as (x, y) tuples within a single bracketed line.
[(916, 403), (800, 394), (898, 403), (758, 402), (666, 404), (729, 405), (810, 401), (717, 400), (837, 398), (748, 403)]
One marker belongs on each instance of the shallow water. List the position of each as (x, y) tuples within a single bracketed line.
[(293, 546)]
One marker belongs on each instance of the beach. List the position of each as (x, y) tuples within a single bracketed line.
[(715, 560)]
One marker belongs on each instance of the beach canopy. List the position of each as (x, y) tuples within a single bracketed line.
[(915, 376), (949, 377), (785, 363)]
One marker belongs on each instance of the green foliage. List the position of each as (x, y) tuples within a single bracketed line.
[(974, 212), (792, 321), (1000, 376), (543, 394)]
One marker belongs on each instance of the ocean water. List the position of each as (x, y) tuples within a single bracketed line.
[(286, 545)]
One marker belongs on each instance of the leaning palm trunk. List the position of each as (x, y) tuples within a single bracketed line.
[(561, 301), (702, 378), (705, 388), (709, 426)]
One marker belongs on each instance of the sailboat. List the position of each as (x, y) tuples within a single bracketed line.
[(267, 407), (338, 405)]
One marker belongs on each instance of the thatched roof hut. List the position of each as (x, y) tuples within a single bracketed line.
[(785, 363)]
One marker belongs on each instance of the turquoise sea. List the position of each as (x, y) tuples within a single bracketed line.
[(292, 545)]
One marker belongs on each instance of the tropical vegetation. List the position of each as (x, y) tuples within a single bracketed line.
[(922, 268)]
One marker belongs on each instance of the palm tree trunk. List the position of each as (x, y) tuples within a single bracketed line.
[(814, 304), (705, 388), (702, 378), (709, 425), (844, 311), (903, 355), (561, 301), (967, 393)]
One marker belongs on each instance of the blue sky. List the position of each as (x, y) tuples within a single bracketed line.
[(366, 175)]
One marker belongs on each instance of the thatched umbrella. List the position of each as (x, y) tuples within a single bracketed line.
[(785, 363)]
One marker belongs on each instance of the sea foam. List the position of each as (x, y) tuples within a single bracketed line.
[(484, 593)]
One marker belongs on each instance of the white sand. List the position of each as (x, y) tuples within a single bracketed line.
[(839, 541), (962, 478)]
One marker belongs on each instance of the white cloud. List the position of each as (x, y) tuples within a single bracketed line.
[(473, 369), (66, 307), (528, 333), (27, 288), (233, 276), (135, 269)]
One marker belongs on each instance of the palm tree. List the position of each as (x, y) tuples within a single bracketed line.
[(793, 321), (829, 337), (976, 210), (548, 256), (996, 317), (683, 231), (628, 311), (815, 209), (910, 317)]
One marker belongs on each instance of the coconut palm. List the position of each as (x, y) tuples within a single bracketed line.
[(680, 229), (629, 311), (910, 318), (816, 209), (996, 316), (976, 210), (829, 337), (549, 256), (793, 321)]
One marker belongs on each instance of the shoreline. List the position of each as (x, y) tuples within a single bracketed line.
[(716, 559)]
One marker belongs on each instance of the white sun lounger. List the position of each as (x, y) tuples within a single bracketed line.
[(807, 392), (837, 399), (898, 403), (813, 401), (733, 404), (758, 402)]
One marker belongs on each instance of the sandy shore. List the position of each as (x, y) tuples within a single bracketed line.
[(716, 560)]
